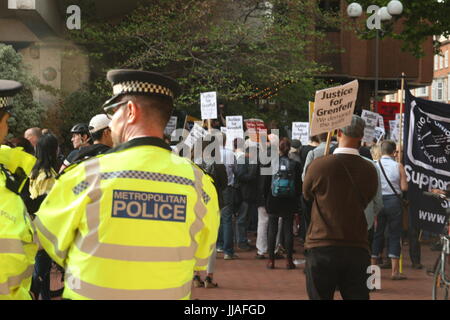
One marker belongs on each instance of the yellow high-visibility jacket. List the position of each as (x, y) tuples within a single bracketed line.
[(132, 224), (17, 246)]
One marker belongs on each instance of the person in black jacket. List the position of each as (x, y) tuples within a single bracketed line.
[(283, 207), (246, 177), (101, 137)]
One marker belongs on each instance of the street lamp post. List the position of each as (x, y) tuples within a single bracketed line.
[(394, 8)]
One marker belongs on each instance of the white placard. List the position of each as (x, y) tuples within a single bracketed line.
[(333, 108), (371, 119), (223, 130), (235, 129), (379, 133), (196, 133), (394, 130), (395, 127), (380, 121), (300, 131), (171, 126), (234, 123), (208, 104)]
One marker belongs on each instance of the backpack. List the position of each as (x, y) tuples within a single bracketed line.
[(283, 182)]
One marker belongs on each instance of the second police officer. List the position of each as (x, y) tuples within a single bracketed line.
[(17, 240)]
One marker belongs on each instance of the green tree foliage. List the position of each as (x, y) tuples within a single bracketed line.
[(421, 19), (236, 48), (26, 112)]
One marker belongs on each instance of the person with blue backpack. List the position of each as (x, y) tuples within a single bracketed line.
[(281, 193)]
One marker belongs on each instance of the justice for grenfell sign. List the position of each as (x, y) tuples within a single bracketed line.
[(333, 108)]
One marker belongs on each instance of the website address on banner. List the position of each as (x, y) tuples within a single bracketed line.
[(431, 217)]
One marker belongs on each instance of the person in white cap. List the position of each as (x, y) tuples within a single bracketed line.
[(101, 136)]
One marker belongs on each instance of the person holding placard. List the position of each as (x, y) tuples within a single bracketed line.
[(341, 186)]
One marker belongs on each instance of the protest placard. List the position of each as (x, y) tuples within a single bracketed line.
[(196, 133), (333, 108), (255, 129), (371, 119), (234, 129), (379, 133), (171, 126), (380, 121), (300, 131), (208, 104), (393, 125)]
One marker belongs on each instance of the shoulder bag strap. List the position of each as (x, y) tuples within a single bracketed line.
[(389, 182)]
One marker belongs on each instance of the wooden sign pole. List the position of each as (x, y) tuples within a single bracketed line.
[(400, 136), (327, 147), (209, 125), (400, 148)]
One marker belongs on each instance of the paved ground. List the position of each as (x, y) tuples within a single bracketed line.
[(248, 279)]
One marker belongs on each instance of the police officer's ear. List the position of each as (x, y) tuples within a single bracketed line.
[(133, 112)]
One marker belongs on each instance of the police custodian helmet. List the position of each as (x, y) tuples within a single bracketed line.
[(80, 128), (8, 89), (136, 82)]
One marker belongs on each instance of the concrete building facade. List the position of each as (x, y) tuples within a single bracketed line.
[(35, 28)]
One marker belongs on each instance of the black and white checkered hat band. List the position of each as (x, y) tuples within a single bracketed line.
[(5, 101), (141, 87)]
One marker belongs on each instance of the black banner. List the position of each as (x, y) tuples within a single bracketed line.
[(427, 159)]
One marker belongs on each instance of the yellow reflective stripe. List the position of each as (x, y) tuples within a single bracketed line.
[(15, 280), (11, 246), (146, 175), (200, 212), (95, 292), (91, 245), (50, 237)]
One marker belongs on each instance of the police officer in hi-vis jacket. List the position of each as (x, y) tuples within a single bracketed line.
[(136, 222), (17, 243)]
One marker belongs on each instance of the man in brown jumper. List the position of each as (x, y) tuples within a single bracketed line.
[(341, 186)]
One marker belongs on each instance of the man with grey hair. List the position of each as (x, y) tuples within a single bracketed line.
[(341, 186), (33, 135)]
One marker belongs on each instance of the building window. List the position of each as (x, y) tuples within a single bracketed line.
[(446, 59), (440, 90), (441, 62), (436, 62), (448, 85), (422, 92)]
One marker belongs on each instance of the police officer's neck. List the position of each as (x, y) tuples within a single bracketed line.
[(145, 135), (139, 131)]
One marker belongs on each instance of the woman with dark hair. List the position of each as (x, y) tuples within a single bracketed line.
[(42, 179), (281, 194)]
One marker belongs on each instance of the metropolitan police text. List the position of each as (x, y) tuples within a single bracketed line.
[(149, 205)]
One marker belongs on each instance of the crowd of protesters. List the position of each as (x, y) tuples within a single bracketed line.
[(344, 209)]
